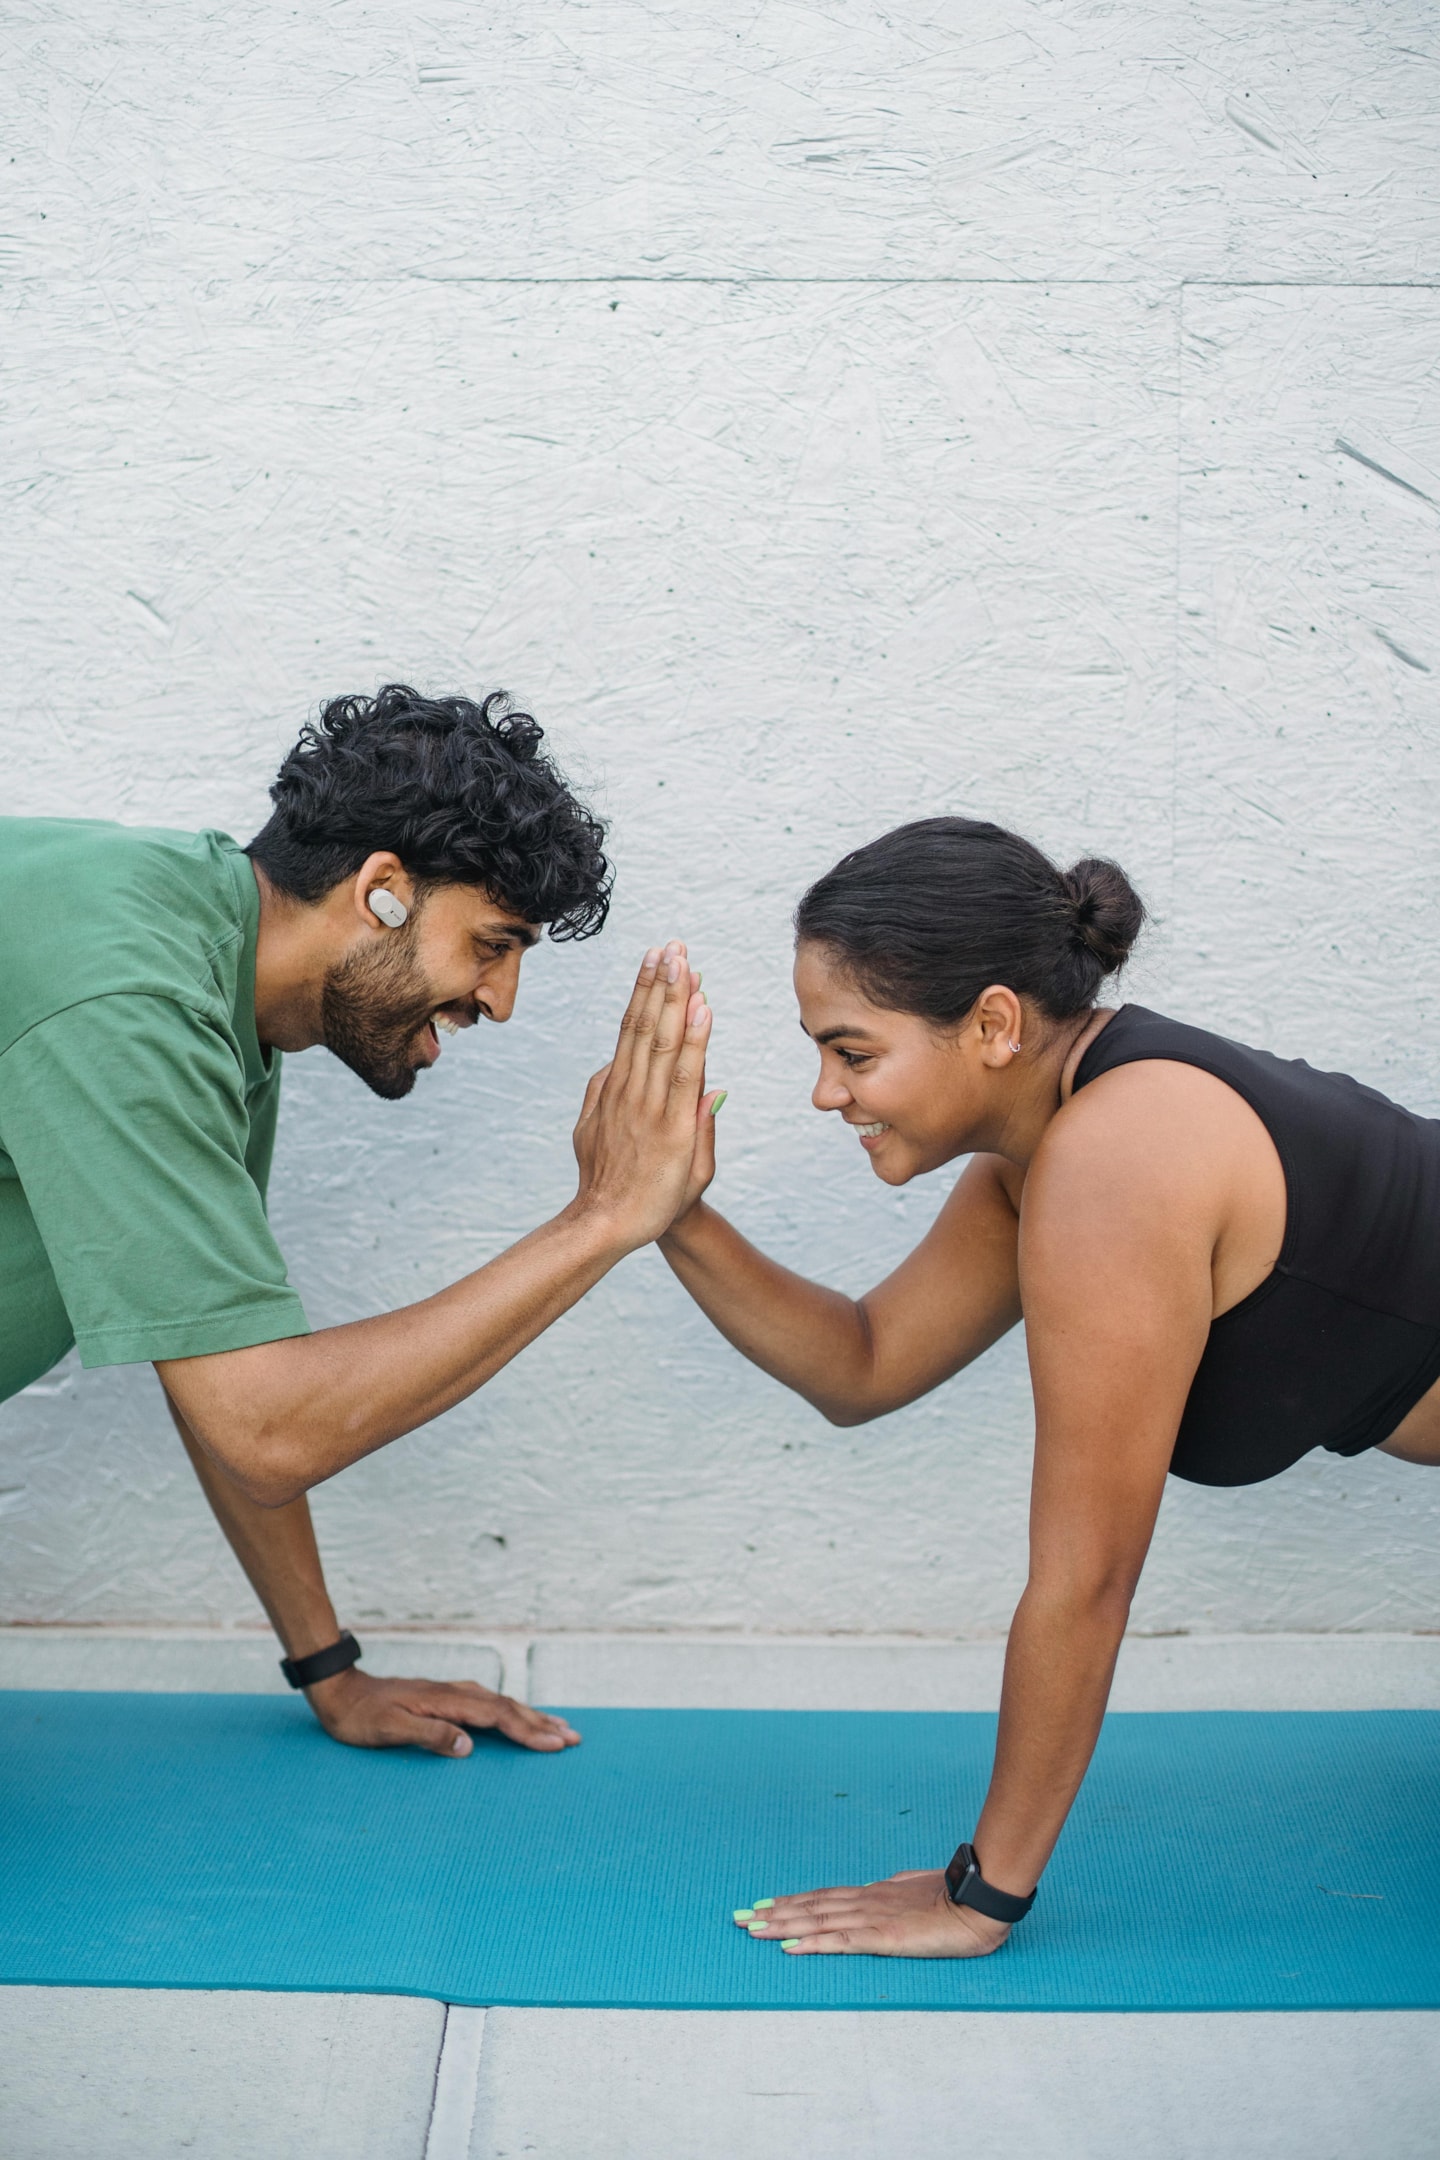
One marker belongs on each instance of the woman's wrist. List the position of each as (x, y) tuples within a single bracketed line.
[(680, 1239)]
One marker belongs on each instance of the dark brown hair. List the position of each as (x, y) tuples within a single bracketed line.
[(926, 917)]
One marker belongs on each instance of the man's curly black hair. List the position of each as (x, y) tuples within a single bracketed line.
[(460, 792)]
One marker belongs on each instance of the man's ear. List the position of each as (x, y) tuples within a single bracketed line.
[(382, 892), (999, 1020)]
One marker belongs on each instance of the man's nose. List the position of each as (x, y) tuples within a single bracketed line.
[(496, 995)]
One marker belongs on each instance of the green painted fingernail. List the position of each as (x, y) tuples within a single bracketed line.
[(744, 1912), (793, 1943), (715, 1108), (756, 1927), (761, 1903)]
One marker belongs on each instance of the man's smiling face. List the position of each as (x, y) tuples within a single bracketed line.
[(455, 961)]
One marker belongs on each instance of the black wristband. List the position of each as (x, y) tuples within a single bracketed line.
[(965, 1885), (322, 1664)]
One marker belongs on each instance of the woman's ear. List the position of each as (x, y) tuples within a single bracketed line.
[(998, 1019)]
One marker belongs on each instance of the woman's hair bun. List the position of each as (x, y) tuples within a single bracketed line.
[(1106, 910)]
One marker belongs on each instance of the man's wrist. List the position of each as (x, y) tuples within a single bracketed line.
[(325, 1662), (604, 1236)]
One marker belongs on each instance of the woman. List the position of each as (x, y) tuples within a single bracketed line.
[(1223, 1259)]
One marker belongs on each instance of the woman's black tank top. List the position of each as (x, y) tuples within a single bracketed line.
[(1343, 1337)]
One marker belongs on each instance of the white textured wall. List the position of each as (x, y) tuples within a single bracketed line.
[(820, 416)]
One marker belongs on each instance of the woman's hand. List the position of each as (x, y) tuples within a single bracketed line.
[(907, 1915), (636, 1138), (364, 1711)]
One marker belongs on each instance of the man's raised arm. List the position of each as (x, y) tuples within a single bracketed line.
[(282, 1416)]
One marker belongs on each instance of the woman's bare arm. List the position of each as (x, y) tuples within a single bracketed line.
[(1116, 1255), (1119, 1227), (856, 1358)]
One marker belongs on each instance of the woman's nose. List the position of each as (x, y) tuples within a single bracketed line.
[(828, 1094)]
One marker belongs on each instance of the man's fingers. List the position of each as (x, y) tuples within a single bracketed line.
[(644, 1017), (683, 1074), (465, 1702), (636, 1019), (437, 1735), (670, 1031), (534, 1728), (592, 1092)]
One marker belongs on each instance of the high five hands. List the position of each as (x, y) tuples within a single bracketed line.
[(645, 1137)]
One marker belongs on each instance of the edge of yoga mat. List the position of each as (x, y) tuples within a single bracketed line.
[(1215, 1861)]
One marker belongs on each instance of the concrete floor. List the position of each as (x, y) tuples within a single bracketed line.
[(118, 2074)]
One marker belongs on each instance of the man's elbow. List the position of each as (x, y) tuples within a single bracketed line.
[(272, 1488), (264, 1464)]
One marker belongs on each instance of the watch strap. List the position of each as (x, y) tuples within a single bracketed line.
[(965, 1885), (322, 1664)]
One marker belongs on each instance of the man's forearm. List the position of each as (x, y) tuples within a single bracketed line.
[(277, 1549), (284, 1416)]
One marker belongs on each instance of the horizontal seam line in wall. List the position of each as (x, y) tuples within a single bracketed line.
[(1154, 282)]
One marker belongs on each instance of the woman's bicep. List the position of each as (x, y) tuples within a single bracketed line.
[(953, 1296)]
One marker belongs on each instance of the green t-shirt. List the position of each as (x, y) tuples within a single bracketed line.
[(137, 1109)]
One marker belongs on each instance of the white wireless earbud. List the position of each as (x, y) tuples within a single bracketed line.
[(392, 912)]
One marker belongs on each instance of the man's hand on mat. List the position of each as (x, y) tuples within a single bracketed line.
[(365, 1711), (908, 1915), (635, 1141)]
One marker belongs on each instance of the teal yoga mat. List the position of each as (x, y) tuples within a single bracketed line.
[(1215, 1861)]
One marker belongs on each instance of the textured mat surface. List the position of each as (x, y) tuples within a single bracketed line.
[(1216, 1860)]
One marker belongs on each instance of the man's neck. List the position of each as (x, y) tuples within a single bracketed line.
[(295, 946)]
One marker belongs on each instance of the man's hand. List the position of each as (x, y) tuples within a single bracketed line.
[(364, 1711), (635, 1140), (907, 1915)]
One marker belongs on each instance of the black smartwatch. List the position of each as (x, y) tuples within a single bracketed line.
[(322, 1664), (965, 1885)]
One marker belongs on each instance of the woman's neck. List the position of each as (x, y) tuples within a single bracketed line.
[(1048, 1085)]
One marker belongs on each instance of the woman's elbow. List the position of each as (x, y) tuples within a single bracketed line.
[(844, 1412), (1096, 1596)]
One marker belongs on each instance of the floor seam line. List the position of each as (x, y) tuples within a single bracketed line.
[(457, 2084)]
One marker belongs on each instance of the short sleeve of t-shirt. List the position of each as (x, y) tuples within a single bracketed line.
[(126, 1119)]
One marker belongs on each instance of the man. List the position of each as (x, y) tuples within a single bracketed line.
[(151, 982)]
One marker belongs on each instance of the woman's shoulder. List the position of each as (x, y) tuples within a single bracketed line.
[(1152, 1129)]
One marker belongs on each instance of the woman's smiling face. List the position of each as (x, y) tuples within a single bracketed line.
[(909, 1091)]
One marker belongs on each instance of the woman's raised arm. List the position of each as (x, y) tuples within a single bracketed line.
[(856, 1358)]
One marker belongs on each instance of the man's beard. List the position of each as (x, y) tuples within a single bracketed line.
[(372, 1006)]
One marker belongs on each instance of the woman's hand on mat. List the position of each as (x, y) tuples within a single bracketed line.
[(635, 1141), (365, 1711), (907, 1915)]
